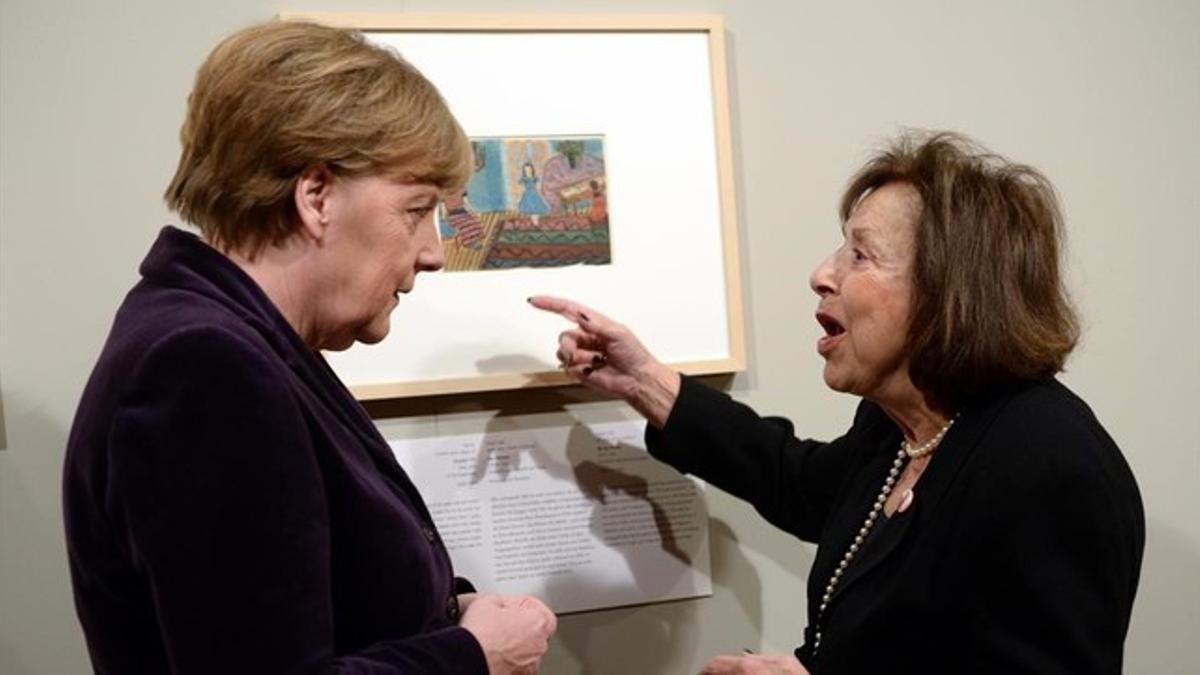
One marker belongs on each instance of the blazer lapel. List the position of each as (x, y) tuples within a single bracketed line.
[(880, 547), (949, 459), (312, 369), (181, 260), (849, 519), (320, 378)]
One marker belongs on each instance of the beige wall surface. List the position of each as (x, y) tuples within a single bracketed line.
[(1103, 96)]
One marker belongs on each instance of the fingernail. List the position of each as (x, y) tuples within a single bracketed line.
[(587, 370)]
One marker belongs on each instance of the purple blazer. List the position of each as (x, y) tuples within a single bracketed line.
[(229, 506)]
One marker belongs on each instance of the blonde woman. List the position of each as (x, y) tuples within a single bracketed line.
[(230, 508)]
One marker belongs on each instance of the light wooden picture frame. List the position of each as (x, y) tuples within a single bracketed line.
[(654, 87)]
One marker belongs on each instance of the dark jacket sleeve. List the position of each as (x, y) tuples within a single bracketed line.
[(793, 483), (1059, 540), (217, 491)]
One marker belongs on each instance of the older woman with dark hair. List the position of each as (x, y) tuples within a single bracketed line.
[(976, 517), (230, 508)]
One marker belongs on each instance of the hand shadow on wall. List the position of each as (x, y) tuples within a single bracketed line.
[(597, 480), (595, 477), (610, 475)]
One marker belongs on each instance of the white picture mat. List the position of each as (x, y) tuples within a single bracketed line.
[(578, 515), (650, 96)]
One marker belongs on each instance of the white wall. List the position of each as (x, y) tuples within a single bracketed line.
[(1103, 96)]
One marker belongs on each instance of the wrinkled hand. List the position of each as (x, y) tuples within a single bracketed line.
[(606, 356), (755, 664), (514, 631)]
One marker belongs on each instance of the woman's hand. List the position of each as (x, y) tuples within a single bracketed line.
[(606, 356), (755, 664), (514, 631)]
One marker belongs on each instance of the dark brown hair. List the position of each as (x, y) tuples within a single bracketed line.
[(279, 98), (989, 307)]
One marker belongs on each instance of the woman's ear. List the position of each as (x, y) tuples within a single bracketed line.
[(312, 201)]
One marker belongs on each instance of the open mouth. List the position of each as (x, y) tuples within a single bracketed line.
[(830, 324), (833, 333)]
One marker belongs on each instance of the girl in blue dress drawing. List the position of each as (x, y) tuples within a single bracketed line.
[(531, 203)]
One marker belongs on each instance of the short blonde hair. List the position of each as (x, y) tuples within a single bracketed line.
[(280, 98)]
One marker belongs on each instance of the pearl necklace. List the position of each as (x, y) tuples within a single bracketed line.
[(906, 451), (928, 446)]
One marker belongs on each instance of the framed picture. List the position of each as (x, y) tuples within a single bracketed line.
[(603, 174)]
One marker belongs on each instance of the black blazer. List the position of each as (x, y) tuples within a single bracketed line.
[(1020, 553), (230, 508)]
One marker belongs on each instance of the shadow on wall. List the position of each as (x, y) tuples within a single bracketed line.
[(38, 629), (3, 428), (665, 638), (659, 637), (626, 641), (1169, 586), (731, 569), (640, 639)]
